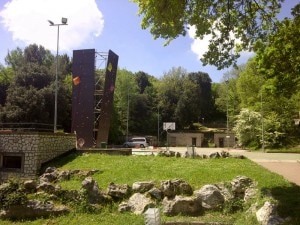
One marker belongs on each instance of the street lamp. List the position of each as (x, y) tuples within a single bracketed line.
[(63, 22), (227, 116)]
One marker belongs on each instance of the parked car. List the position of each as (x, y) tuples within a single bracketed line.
[(136, 142)]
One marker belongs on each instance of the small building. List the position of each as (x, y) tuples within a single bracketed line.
[(23, 153), (222, 140), (185, 139)]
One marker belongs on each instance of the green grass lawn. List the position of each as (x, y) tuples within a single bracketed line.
[(197, 172)]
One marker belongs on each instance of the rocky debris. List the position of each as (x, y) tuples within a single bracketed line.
[(214, 155), (94, 194), (210, 197), (30, 186), (181, 205), (156, 193), (139, 203), (48, 187), (178, 196), (33, 209), (124, 207), (240, 184), (170, 188), (166, 153), (63, 175), (250, 193), (267, 215), (142, 186), (118, 191)]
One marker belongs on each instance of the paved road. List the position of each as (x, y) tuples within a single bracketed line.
[(285, 164)]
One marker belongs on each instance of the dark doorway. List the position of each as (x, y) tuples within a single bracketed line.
[(221, 142), (194, 141)]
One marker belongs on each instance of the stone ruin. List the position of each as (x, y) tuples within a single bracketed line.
[(172, 197)]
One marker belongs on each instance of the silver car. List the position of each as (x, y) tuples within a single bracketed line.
[(136, 142)]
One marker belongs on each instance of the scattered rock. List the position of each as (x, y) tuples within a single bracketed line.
[(214, 155), (170, 188), (139, 203), (210, 197), (240, 184), (30, 186), (33, 209), (142, 186), (118, 191), (267, 215), (94, 195), (156, 193), (124, 207), (181, 205), (48, 187)]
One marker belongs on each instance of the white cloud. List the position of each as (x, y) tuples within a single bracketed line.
[(199, 47), (27, 21)]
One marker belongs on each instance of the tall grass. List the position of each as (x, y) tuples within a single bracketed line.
[(197, 172)]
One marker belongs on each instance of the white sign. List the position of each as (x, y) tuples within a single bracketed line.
[(169, 126)]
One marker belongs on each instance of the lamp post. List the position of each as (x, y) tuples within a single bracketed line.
[(227, 118), (63, 22), (157, 126)]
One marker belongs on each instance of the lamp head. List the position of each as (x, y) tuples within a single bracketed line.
[(64, 20), (51, 23)]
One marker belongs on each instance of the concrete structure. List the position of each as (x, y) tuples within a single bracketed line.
[(23, 153), (221, 140), (185, 139), (188, 139)]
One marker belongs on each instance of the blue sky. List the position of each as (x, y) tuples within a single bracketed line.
[(102, 25)]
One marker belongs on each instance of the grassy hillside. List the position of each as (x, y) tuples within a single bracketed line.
[(197, 172)]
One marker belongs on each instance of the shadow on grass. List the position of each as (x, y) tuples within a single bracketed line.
[(61, 160), (288, 198)]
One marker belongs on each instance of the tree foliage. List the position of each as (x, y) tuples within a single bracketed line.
[(232, 24), (30, 93)]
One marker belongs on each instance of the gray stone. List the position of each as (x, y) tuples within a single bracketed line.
[(118, 191), (210, 197), (50, 169), (250, 193), (48, 187), (240, 184), (33, 209), (156, 193), (139, 203), (267, 215), (189, 206), (94, 195), (30, 186), (170, 188), (214, 155), (63, 175), (124, 207), (49, 177), (142, 186)]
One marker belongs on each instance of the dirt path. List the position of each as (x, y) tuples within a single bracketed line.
[(289, 170)]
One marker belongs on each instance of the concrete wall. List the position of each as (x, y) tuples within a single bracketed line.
[(27, 151), (185, 139), (221, 140)]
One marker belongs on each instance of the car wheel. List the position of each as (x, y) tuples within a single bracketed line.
[(142, 146)]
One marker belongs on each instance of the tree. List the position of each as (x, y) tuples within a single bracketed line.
[(249, 86), (278, 59), (142, 81), (232, 24), (248, 128), (30, 95)]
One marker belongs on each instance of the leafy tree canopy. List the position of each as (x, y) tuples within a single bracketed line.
[(226, 21)]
